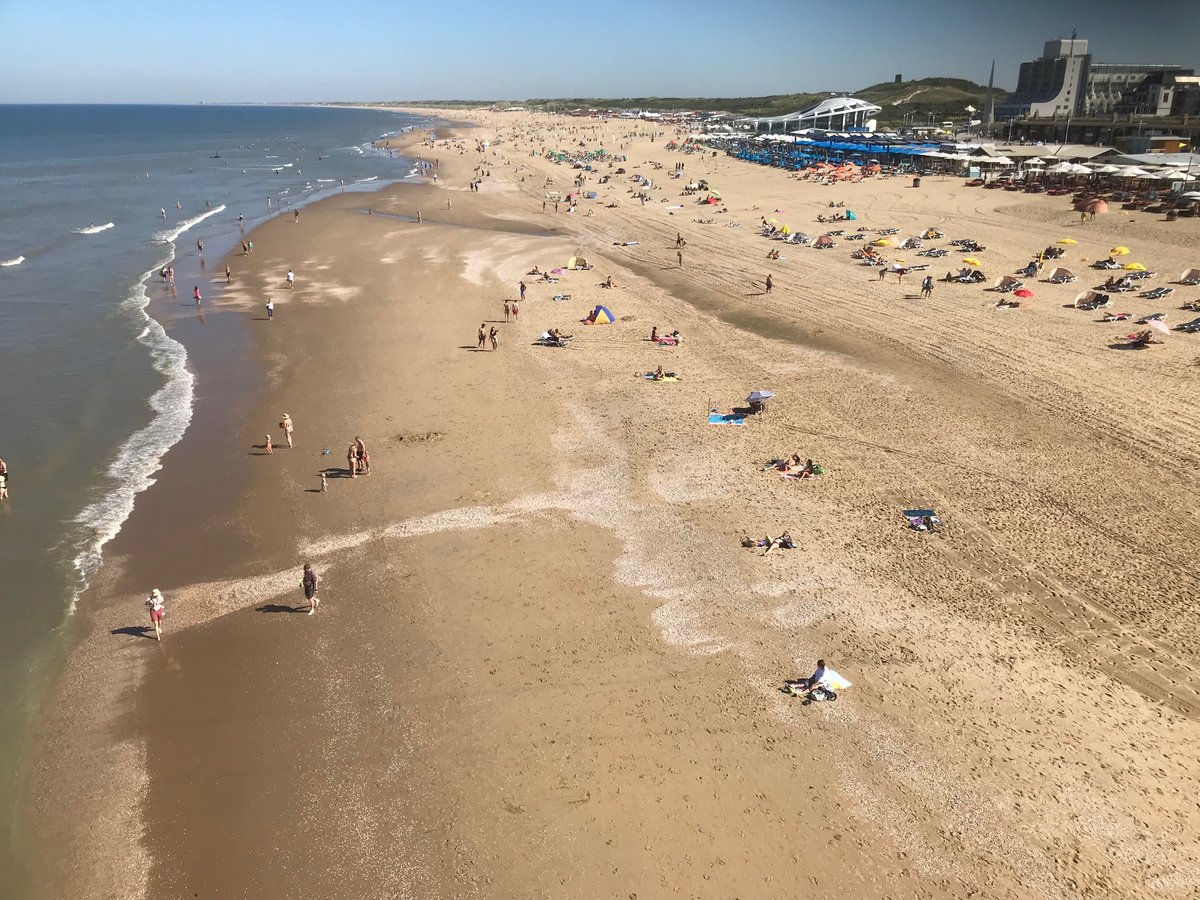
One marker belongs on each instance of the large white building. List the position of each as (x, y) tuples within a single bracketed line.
[(1064, 82)]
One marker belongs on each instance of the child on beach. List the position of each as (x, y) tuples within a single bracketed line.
[(155, 604), (269, 447), (309, 583)]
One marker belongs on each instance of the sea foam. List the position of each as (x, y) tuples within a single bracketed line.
[(94, 229), (137, 460), (15, 261), (171, 234)]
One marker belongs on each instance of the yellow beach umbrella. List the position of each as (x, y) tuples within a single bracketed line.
[(1134, 267), (1068, 241), (785, 230), (972, 261), (1119, 251)]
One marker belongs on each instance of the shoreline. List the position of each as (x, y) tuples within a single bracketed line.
[(477, 573)]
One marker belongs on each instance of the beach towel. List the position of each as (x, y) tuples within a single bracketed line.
[(716, 418), (667, 342), (558, 297)]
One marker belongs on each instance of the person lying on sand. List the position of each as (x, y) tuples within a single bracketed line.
[(609, 283), (772, 254), (535, 271), (783, 542)]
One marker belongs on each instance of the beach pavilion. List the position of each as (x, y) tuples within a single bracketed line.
[(832, 114)]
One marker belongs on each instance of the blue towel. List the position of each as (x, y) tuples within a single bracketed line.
[(716, 418)]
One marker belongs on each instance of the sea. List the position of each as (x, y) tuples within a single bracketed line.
[(94, 202)]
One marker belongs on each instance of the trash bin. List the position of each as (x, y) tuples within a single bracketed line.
[(917, 181)]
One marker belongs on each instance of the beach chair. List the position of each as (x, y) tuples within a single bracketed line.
[(1092, 300), (1158, 293), (1191, 327), (1190, 277), (911, 243), (1007, 284), (1061, 276)]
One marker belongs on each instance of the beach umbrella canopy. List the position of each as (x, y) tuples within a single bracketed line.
[(1107, 170), (1097, 206), (1176, 176), (1132, 172), (1062, 168), (1034, 162), (1134, 267), (1068, 241), (759, 396), (972, 261), (1192, 195), (1023, 292), (1159, 325), (1119, 251)]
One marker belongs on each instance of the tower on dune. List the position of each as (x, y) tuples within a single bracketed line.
[(989, 106)]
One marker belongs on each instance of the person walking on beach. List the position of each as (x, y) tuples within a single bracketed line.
[(882, 272), (228, 274), (291, 279), (770, 284), (927, 287), (679, 256), (521, 288), (157, 607), (200, 246), (268, 446), (3, 480), (296, 213), (482, 336), (507, 311), (492, 336), (352, 459), (516, 310), (163, 212), (309, 582), (270, 309), (196, 294), (286, 425)]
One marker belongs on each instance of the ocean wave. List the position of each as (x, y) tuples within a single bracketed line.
[(94, 229), (15, 261), (140, 457), (170, 235), (326, 180), (365, 180)]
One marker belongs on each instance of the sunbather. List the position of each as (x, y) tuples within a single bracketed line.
[(654, 335), (659, 374), (783, 542)]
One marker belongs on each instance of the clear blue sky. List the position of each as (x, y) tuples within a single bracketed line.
[(261, 50)]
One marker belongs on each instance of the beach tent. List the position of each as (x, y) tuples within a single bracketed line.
[(1191, 276), (601, 315), (824, 241), (1061, 276), (577, 262)]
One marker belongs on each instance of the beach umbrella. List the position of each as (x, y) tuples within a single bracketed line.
[(972, 261), (1134, 267), (1119, 251), (1062, 168), (882, 242), (1068, 241), (1192, 195), (1176, 176), (1107, 170), (1132, 172), (1034, 162), (1023, 293), (759, 396), (1159, 325), (1097, 206)]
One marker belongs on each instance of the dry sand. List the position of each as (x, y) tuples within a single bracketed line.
[(544, 665)]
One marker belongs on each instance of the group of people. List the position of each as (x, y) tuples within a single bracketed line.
[(796, 467), (358, 460), (485, 335)]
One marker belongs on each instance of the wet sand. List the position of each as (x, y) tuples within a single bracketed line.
[(543, 665)]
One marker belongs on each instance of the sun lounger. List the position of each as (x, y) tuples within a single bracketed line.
[(1158, 293), (1008, 284), (1191, 327), (1190, 277), (547, 340), (1092, 300)]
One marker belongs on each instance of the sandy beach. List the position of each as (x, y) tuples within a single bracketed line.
[(544, 664)]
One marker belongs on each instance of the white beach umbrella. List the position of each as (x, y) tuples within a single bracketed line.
[(1034, 163), (1192, 195), (1062, 168), (1107, 170), (1176, 176), (1132, 172)]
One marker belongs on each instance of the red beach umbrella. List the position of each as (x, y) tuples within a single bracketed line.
[(1023, 293), (1097, 206)]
